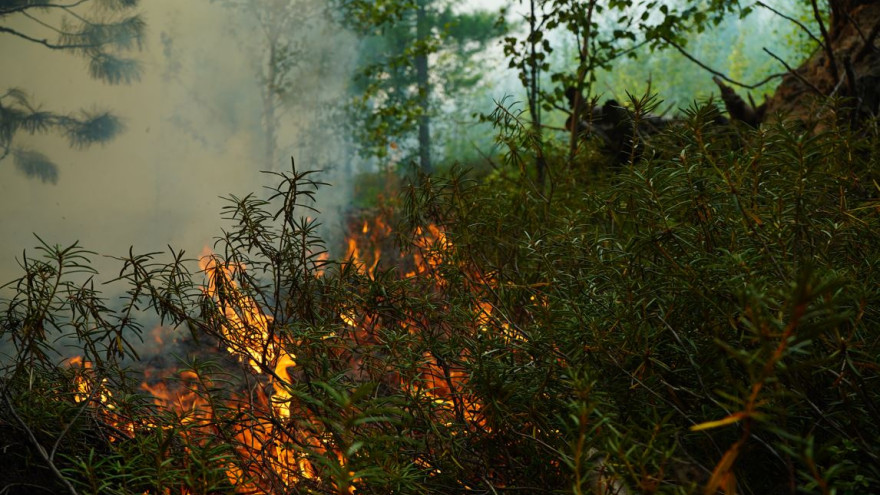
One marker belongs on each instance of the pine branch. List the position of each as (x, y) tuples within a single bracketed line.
[(44, 42), (44, 6)]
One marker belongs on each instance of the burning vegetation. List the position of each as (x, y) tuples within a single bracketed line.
[(700, 323)]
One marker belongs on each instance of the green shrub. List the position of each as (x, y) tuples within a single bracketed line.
[(702, 320)]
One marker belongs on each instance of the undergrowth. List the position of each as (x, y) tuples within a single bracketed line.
[(703, 320)]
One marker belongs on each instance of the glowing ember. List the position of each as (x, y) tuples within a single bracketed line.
[(84, 385)]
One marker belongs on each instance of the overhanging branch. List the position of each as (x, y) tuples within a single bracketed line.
[(794, 73), (46, 5), (44, 42), (793, 20), (719, 74)]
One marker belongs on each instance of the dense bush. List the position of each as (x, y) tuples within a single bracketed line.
[(702, 320)]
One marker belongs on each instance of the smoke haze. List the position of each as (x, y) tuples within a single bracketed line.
[(195, 126), (193, 133)]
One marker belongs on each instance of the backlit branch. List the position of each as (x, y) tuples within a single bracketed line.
[(719, 74)]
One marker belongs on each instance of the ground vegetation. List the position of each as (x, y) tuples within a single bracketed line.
[(694, 313)]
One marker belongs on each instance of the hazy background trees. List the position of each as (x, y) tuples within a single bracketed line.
[(341, 94), (415, 62), (695, 318)]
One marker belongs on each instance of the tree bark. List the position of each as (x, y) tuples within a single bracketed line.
[(533, 91), (852, 39)]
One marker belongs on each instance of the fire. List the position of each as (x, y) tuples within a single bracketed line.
[(434, 243), (371, 239), (249, 333), (86, 388), (274, 434), (247, 329), (442, 384), (173, 391)]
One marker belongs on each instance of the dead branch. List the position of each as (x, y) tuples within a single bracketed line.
[(738, 108), (40, 449), (795, 21), (719, 74), (832, 64), (795, 74)]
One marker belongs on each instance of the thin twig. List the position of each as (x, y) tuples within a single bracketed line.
[(45, 42), (76, 416), (853, 89), (869, 43), (547, 446), (792, 19), (794, 72), (856, 25), (850, 77), (586, 59), (39, 447), (489, 484), (832, 64), (44, 24), (837, 87), (486, 157), (45, 5), (719, 74)]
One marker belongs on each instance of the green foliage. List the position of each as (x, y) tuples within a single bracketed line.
[(599, 34), (700, 320), (729, 47), (706, 283), (697, 319), (390, 97)]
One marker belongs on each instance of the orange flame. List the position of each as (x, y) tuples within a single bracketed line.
[(248, 330)]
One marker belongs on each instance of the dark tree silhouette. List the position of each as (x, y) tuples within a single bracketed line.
[(101, 31)]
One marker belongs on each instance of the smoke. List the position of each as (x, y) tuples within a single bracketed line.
[(193, 133)]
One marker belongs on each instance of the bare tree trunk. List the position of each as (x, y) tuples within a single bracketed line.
[(270, 120), (424, 89), (851, 39), (533, 96)]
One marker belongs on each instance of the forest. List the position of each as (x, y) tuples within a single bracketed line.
[(587, 247)]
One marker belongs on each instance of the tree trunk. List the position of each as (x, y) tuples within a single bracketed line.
[(270, 120), (852, 38), (533, 96), (424, 89), (841, 13)]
